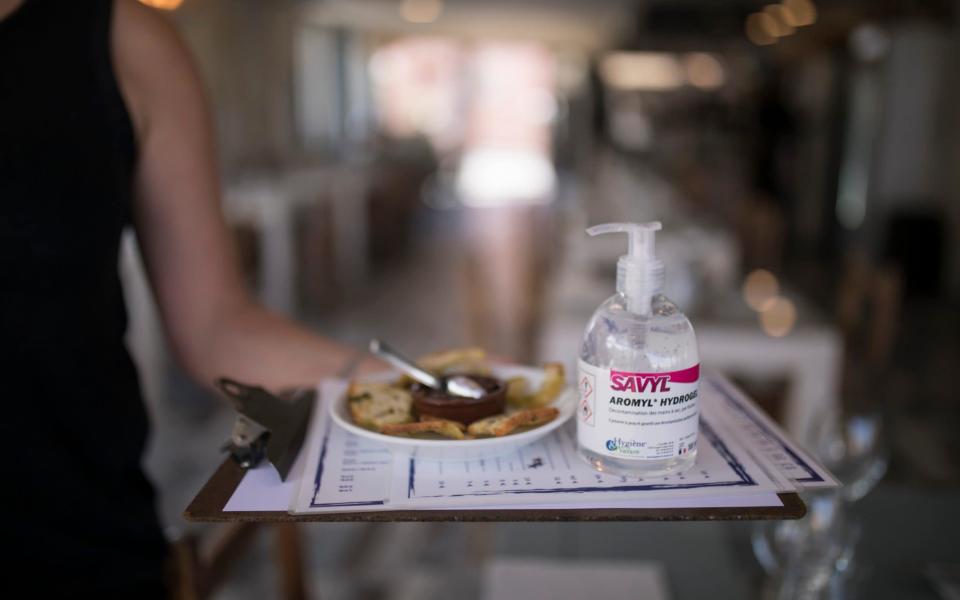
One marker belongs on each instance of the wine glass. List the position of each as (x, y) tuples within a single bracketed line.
[(854, 449), (813, 557)]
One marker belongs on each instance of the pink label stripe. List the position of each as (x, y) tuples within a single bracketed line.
[(690, 375)]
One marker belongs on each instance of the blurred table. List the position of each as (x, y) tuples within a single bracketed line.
[(904, 531), (268, 203), (809, 356)]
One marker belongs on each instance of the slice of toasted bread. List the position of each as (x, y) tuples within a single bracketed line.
[(443, 362), (486, 427), (517, 391), (374, 405), (429, 418), (466, 361), (440, 427), (501, 425), (554, 381)]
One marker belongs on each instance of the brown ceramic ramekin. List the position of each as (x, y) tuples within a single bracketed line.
[(428, 401)]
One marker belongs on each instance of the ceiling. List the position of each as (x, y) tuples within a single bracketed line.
[(580, 23)]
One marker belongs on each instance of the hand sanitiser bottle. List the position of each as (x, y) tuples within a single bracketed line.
[(639, 370)]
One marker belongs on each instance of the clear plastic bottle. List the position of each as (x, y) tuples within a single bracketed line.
[(639, 371)]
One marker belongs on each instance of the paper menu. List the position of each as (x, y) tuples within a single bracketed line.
[(735, 415), (349, 474), (550, 471), (262, 490), (345, 472)]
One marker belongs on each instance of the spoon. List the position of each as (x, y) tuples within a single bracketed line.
[(458, 385)]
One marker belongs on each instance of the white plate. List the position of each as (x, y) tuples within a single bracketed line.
[(462, 449)]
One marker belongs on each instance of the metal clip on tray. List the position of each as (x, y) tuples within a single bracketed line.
[(267, 426)]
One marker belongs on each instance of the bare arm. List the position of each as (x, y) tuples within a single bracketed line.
[(213, 324)]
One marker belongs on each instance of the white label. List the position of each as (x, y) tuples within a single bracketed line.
[(646, 416)]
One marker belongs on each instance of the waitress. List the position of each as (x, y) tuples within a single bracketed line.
[(103, 125)]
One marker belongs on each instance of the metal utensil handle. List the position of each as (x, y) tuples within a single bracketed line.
[(390, 355)]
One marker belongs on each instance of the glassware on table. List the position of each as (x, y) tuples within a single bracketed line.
[(813, 557), (854, 449), (810, 557)]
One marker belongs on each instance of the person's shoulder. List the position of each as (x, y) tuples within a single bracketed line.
[(145, 35), (138, 26), (136, 18), (153, 64)]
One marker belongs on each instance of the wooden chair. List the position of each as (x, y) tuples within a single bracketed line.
[(868, 313), (761, 229), (868, 307), (199, 568)]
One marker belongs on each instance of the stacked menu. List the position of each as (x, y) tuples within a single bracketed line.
[(744, 460)]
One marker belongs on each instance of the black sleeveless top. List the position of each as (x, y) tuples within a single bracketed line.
[(74, 426)]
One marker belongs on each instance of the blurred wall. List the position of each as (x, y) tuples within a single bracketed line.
[(951, 132), (917, 158), (911, 138), (910, 154), (244, 52)]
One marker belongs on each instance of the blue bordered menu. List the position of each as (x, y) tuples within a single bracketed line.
[(763, 438), (344, 472), (351, 473), (550, 471)]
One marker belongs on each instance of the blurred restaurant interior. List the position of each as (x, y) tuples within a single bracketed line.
[(424, 171)]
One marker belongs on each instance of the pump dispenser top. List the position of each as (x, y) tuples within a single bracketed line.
[(640, 274)]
